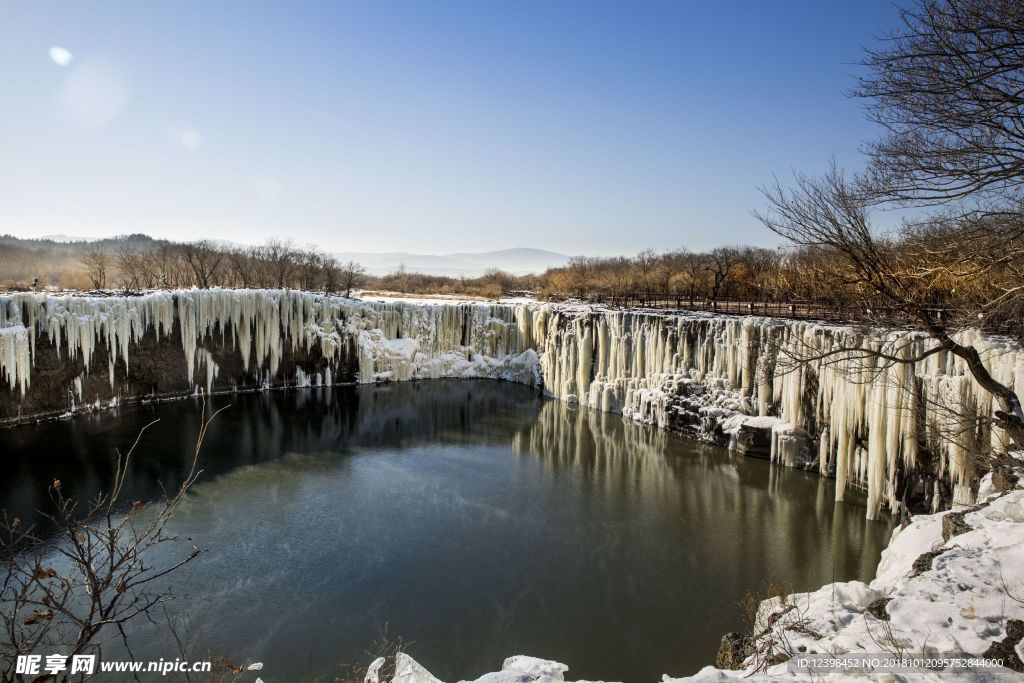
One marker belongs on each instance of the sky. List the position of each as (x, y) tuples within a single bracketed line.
[(432, 127)]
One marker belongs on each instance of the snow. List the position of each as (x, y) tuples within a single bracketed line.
[(517, 669), (408, 670), (531, 666)]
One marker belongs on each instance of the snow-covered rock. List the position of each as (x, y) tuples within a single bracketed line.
[(932, 596)]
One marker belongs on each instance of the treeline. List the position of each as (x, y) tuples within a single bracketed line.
[(938, 266), (162, 264), (750, 273), (134, 263), (967, 266), (49, 263)]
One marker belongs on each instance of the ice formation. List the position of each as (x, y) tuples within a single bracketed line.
[(867, 416), (517, 669), (392, 340), (839, 411)]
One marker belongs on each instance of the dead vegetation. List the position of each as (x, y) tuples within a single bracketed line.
[(90, 568)]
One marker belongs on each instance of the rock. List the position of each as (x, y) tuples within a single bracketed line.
[(373, 673), (535, 668), (1004, 478), (408, 670), (924, 562), (1005, 649), (877, 609), (774, 617), (735, 648), (953, 524), (754, 440)]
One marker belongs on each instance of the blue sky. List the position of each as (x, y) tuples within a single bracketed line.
[(581, 127)]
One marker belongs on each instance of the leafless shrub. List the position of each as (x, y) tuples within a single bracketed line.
[(386, 646), (90, 569)]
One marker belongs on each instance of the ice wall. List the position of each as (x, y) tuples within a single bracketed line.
[(822, 402), (827, 402), (391, 341)]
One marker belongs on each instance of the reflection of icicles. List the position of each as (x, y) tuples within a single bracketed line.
[(205, 361), (585, 442)]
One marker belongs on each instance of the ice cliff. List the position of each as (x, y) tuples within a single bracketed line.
[(803, 393)]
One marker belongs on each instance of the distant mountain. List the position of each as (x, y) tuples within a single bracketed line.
[(67, 238), (516, 261), (519, 261), (77, 245)]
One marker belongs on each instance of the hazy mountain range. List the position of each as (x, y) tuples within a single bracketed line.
[(519, 261), (516, 261)]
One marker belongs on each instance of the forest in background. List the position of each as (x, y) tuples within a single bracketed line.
[(946, 273)]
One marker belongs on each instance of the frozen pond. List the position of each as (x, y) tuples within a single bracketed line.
[(477, 519)]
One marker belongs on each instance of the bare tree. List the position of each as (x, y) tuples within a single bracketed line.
[(719, 264), (240, 262), (92, 570), (309, 266), (401, 277), (203, 257), (280, 258), (760, 266), (97, 261), (615, 278), (352, 276), (131, 269), (499, 279), (163, 265), (694, 272), (829, 213), (330, 270), (949, 90)]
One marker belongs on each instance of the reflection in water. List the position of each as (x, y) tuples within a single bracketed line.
[(477, 518), (724, 496)]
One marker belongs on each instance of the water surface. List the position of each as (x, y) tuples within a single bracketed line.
[(474, 517)]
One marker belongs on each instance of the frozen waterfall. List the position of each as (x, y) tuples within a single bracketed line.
[(809, 386)]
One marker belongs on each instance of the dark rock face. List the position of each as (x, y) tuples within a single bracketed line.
[(754, 441), (877, 609), (953, 524), (1004, 478), (924, 562), (157, 368), (1005, 649), (735, 648)]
